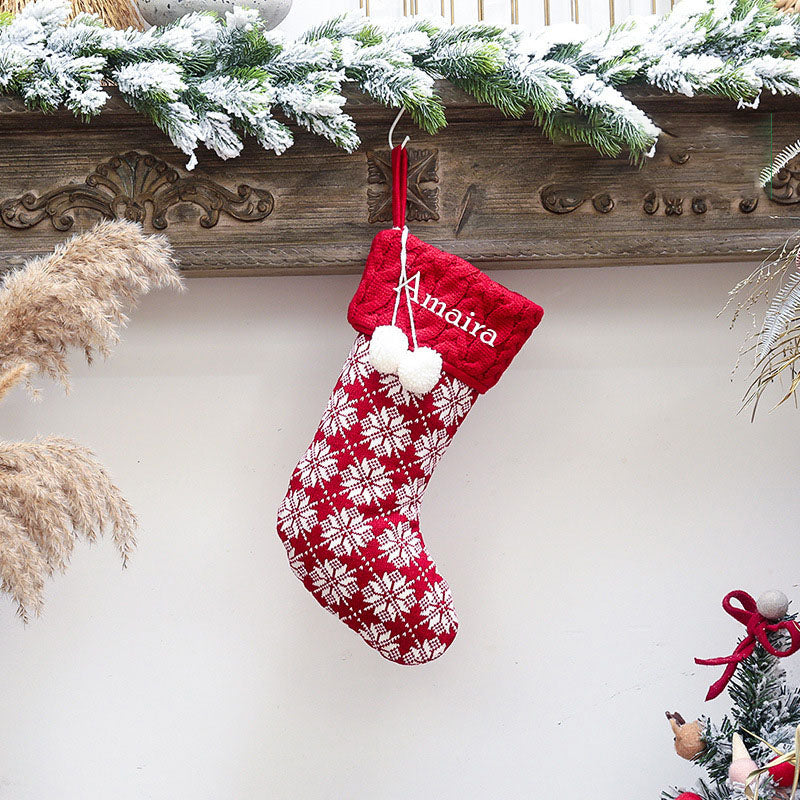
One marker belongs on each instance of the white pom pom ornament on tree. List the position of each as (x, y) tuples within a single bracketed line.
[(773, 605)]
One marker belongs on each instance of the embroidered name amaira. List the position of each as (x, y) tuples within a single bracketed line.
[(466, 322)]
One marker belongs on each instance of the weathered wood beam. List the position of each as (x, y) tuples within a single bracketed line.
[(490, 189)]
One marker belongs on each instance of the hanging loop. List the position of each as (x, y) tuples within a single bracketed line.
[(399, 176), (399, 185), (391, 131)]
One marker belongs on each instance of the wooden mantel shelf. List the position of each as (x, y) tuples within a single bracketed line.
[(492, 190)]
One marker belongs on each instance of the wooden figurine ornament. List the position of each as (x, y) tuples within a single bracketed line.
[(688, 736)]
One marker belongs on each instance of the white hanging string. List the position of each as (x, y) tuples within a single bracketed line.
[(403, 284), (391, 131), (420, 368)]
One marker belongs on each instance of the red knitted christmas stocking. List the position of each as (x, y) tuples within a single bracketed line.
[(350, 520)]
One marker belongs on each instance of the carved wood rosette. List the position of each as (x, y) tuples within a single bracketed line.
[(127, 186), (422, 203)]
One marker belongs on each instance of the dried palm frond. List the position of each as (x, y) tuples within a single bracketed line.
[(53, 491), (779, 162), (775, 340), (76, 296), (119, 14), (783, 308)]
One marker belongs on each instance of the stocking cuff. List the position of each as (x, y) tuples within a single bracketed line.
[(477, 325)]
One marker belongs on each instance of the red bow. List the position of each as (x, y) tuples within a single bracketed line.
[(757, 629)]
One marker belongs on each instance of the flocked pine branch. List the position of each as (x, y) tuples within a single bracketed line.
[(212, 81)]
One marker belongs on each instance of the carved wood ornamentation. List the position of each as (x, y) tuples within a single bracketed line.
[(126, 186), (650, 204), (566, 198), (784, 188), (490, 189), (603, 202), (673, 206), (422, 203)]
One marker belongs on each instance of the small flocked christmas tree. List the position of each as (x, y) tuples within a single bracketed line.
[(763, 720)]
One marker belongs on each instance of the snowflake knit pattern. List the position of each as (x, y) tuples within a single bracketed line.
[(350, 520)]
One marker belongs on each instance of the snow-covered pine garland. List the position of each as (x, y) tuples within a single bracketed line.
[(208, 80)]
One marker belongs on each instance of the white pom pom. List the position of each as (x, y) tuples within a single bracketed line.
[(419, 370), (773, 605), (387, 346)]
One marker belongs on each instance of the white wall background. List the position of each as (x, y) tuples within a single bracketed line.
[(592, 13), (593, 510)]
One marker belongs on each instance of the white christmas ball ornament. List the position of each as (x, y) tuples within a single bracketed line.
[(773, 605), (387, 346), (419, 370)]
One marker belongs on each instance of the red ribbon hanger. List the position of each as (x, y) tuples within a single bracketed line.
[(399, 176), (399, 185), (757, 629)]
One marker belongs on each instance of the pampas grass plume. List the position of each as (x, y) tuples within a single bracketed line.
[(54, 491)]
